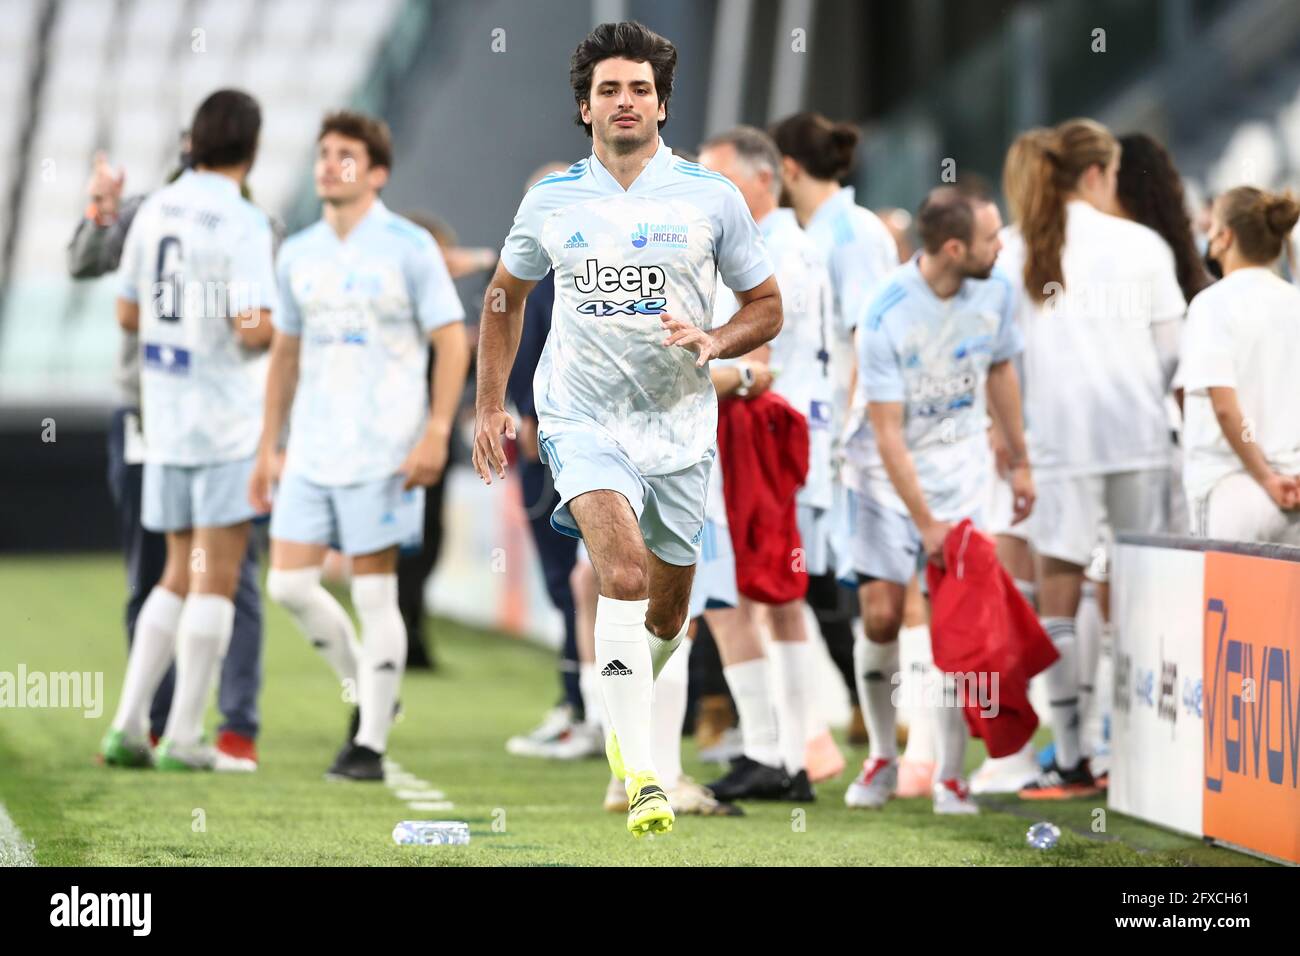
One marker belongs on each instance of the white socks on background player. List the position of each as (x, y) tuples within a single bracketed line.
[(321, 618), (1062, 680), (383, 656), (748, 682), (202, 637), (153, 645), (876, 668), (792, 702), (668, 713)]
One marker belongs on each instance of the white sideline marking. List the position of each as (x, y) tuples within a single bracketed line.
[(420, 795), (431, 805), (14, 850)]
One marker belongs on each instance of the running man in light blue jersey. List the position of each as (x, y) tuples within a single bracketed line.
[(199, 288), (627, 414), (936, 339), (364, 291)]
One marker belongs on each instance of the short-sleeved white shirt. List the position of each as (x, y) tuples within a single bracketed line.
[(621, 259), (1094, 388), (363, 307), (198, 254), (933, 356), (1243, 332)]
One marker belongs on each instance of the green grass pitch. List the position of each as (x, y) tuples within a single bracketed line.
[(65, 614)]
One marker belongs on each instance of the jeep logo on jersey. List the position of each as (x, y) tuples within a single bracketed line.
[(642, 281)]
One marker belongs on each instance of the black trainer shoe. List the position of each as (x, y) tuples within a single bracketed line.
[(800, 789), (749, 779), (355, 762)]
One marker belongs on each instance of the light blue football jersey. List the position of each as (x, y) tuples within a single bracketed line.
[(196, 255), (621, 259), (363, 307), (933, 355)]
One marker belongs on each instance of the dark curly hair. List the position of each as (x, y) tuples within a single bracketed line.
[(1151, 193), (628, 40)]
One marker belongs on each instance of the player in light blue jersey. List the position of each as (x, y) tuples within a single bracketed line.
[(627, 414), (199, 289), (364, 291), (936, 340)]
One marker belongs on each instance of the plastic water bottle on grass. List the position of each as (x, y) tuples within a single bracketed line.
[(431, 833)]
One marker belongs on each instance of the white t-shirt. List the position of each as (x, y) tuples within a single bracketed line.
[(363, 307), (196, 255), (933, 356), (1243, 332), (800, 360), (621, 258), (1094, 388), (859, 251)]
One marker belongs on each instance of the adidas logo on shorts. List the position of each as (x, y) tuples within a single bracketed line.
[(616, 668)]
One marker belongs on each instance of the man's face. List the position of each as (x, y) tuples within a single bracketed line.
[(624, 110), (343, 170), (982, 252), (755, 187)]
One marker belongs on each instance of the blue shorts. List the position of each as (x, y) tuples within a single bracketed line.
[(356, 519), (887, 543), (715, 575), (181, 497), (669, 508)]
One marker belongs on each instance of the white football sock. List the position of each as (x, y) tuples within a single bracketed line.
[(791, 662), (321, 618), (952, 734), (202, 636), (152, 648), (1062, 680), (878, 665), (382, 659), (752, 693), (661, 651), (920, 683), (592, 705), (626, 677), (1088, 626), (669, 713)]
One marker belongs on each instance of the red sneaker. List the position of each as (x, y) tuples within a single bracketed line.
[(235, 753)]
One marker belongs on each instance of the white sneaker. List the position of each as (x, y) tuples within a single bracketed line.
[(687, 796), (727, 749), (874, 785), (615, 796), (952, 797), (578, 742), (1007, 774), (555, 724)]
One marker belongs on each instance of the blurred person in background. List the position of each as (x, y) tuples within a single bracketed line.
[(197, 285), (859, 251), (363, 294), (571, 729), (1101, 336), (929, 395), (95, 251), (796, 364), (1238, 370), (415, 565)]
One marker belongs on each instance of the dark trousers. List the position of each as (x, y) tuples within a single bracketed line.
[(413, 570), (558, 553), (145, 553)]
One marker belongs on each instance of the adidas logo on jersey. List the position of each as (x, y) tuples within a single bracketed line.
[(576, 242), (616, 668)]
